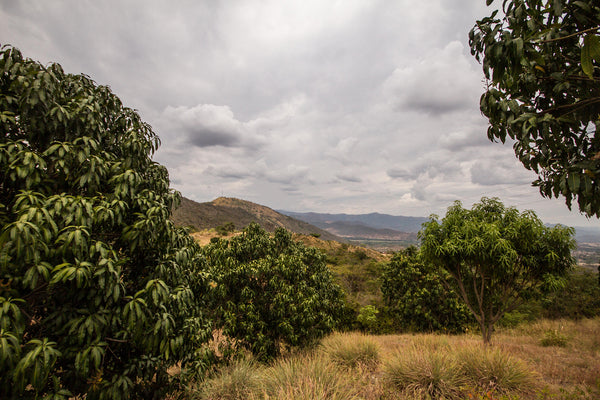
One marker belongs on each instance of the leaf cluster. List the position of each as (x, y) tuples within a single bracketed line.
[(541, 60), (98, 290)]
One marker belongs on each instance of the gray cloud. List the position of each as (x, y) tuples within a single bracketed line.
[(348, 178), (490, 172), (297, 104)]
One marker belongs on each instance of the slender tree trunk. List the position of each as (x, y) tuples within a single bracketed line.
[(486, 332)]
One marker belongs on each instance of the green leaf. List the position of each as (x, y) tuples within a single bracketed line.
[(589, 52)]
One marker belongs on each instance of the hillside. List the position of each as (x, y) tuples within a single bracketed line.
[(223, 210)]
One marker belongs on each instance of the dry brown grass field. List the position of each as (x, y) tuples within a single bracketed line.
[(540, 360)]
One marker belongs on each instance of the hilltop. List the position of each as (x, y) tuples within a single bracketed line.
[(223, 210)]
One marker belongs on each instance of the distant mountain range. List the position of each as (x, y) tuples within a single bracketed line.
[(223, 210), (392, 224), (382, 231)]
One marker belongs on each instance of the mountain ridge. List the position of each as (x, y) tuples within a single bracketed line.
[(223, 210)]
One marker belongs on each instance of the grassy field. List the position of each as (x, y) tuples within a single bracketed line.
[(540, 360)]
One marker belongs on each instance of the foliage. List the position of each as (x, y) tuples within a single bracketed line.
[(554, 337), (225, 229), (541, 60), (367, 318), (578, 298), (497, 256), (418, 295), (271, 291), (98, 290)]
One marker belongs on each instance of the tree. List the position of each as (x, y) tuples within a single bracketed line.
[(419, 296), (541, 61), (99, 292), (271, 291), (497, 256)]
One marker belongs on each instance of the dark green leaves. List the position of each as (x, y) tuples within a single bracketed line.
[(590, 52), (543, 92), (271, 291), (95, 281)]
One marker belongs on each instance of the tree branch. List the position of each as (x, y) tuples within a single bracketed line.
[(571, 35)]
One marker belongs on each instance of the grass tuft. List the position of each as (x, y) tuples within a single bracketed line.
[(492, 370), (352, 350), (305, 377), (421, 373), (237, 381)]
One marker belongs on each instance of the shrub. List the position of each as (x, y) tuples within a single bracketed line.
[(99, 290), (554, 337), (417, 294), (270, 292), (367, 318)]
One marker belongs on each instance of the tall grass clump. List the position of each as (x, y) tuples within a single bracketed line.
[(238, 381), (306, 377), (554, 337), (352, 350), (421, 373), (492, 370)]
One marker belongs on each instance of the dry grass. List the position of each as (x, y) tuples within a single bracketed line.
[(419, 366)]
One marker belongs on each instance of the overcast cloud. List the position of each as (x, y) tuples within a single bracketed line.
[(327, 106)]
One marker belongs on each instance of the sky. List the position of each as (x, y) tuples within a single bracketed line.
[(352, 106)]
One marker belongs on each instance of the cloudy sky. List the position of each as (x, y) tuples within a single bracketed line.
[(351, 106)]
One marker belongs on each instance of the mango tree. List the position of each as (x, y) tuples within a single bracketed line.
[(99, 292), (497, 256), (541, 60), (270, 291)]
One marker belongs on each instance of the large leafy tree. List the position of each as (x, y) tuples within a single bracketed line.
[(98, 289), (419, 295), (497, 256), (541, 60), (271, 291)]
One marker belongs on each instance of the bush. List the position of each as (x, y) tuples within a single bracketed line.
[(99, 290), (270, 292), (418, 295), (367, 318), (578, 298), (554, 338)]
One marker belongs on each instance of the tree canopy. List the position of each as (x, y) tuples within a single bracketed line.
[(541, 60), (98, 290), (271, 291), (497, 256)]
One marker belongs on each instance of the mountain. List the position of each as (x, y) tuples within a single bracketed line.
[(241, 213), (373, 220), (379, 231)]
